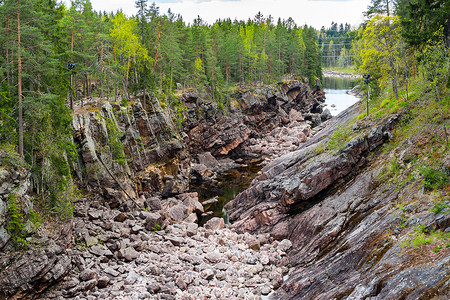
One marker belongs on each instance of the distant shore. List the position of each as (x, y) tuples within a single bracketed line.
[(328, 73)]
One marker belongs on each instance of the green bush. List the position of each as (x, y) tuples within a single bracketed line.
[(384, 103), (116, 146), (124, 102), (361, 116), (16, 222), (339, 138), (439, 207), (434, 178)]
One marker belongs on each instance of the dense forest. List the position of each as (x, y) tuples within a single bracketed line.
[(52, 53)]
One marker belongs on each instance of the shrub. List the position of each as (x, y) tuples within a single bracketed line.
[(361, 116), (439, 207), (16, 222), (434, 178), (339, 138), (124, 102), (384, 103)]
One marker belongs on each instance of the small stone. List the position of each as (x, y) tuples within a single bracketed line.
[(252, 260), (153, 288), (120, 217), (265, 290), (131, 278), (88, 285), (87, 275), (285, 245), (180, 283), (215, 224), (176, 241), (103, 282), (94, 214), (213, 257), (264, 259), (207, 274), (111, 272), (191, 229), (154, 204), (129, 254), (91, 241), (153, 221), (222, 266)]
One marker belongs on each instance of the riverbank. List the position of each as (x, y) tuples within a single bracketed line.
[(337, 74)]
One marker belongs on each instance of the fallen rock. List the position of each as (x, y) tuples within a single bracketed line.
[(128, 254), (215, 224)]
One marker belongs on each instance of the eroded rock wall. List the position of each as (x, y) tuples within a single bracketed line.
[(253, 114), (130, 152), (343, 222)]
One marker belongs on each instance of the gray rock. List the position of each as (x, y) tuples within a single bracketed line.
[(87, 275), (103, 282), (213, 257), (128, 254), (94, 214), (177, 213), (131, 278), (153, 221), (180, 283), (265, 290), (176, 241), (191, 229), (207, 274), (285, 245), (154, 204), (215, 224), (111, 272)]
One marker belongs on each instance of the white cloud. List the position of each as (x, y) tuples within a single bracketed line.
[(315, 13)]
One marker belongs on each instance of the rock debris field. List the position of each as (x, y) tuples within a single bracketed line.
[(127, 256)]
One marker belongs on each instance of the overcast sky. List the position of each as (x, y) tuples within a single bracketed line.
[(316, 13)]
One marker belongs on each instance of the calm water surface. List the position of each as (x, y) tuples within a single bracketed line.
[(337, 99)]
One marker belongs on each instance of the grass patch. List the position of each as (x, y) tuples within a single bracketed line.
[(339, 138), (434, 178), (439, 207)]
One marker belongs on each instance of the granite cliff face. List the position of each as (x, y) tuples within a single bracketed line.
[(343, 220)]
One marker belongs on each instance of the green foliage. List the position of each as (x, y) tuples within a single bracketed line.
[(394, 166), (434, 178), (420, 238), (384, 103), (339, 138), (9, 157), (439, 207), (124, 102), (115, 144), (16, 222), (319, 149), (361, 116)]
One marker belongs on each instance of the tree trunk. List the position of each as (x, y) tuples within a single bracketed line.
[(19, 78)]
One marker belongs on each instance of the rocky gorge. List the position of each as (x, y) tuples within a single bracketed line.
[(316, 223), (134, 167)]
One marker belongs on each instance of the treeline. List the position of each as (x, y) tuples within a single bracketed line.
[(335, 44)]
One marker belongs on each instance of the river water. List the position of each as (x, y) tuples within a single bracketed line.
[(228, 185), (337, 99)]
